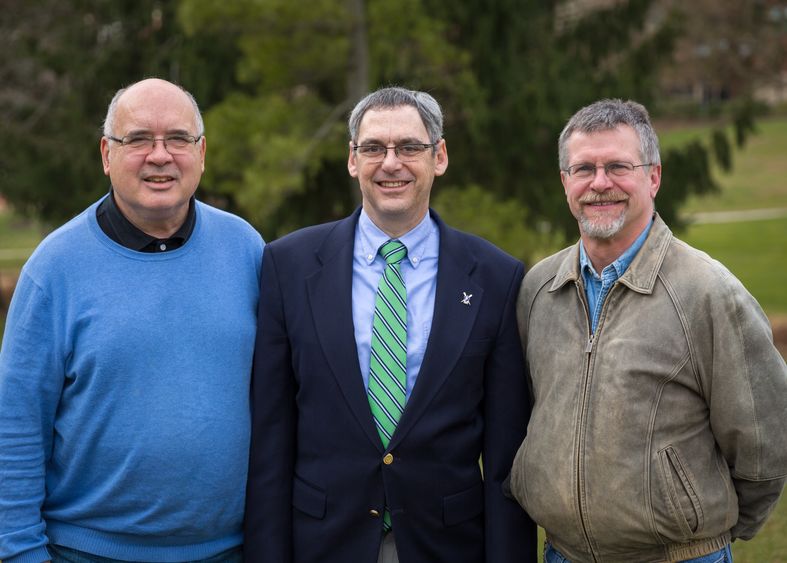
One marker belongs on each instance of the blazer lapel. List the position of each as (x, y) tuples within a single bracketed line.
[(330, 300), (451, 325)]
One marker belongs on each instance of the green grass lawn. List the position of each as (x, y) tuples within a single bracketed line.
[(757, 180), (18, 237), (770, 545), (755, 251)]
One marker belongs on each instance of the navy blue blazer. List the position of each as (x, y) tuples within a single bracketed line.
[(318, 473)]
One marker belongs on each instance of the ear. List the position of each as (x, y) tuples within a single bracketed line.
[(441, 158), (202, 148), (352, 162), (104, 147), (654, 177)]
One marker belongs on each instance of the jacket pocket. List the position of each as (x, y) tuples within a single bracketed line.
[(681, 493), (463, 506), (308, 499)]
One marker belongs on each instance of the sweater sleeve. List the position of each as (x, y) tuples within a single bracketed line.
[(31, 379)]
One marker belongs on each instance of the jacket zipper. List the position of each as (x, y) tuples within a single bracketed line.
[(583, 410)]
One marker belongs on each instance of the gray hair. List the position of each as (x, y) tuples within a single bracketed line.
[(394, 97), (607, 114), (109, 120)]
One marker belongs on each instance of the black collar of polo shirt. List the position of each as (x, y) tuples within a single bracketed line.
[(117, 227)]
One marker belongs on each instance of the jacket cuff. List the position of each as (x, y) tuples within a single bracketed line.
[(756, 500)]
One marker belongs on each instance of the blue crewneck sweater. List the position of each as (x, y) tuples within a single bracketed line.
[(124, 410)]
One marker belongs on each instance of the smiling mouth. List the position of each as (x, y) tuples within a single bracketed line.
[(603, 203), (159, 179), (599, 202), (393, 184)]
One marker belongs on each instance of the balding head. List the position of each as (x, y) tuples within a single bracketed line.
[(148, 87)]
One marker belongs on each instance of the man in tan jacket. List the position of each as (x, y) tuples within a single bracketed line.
[(658, 431)]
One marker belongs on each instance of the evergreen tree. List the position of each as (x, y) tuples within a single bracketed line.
[(61, 61), (276, 80)]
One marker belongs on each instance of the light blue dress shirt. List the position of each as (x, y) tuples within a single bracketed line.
[(419, 271), (597, 286)]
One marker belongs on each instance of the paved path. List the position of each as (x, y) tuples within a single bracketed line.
[(737, 216)]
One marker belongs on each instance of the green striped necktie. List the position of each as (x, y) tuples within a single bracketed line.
[(388, 362)]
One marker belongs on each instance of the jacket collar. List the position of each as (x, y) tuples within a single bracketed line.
[(640, 275)]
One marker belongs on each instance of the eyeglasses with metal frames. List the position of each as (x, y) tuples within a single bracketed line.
[(585, 170), (406, 152), (174, 144)]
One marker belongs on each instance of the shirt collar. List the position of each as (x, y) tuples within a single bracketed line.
[(415, 240), (623, 261), (117, 227)]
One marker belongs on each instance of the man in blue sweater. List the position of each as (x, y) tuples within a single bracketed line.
[(124, 370)]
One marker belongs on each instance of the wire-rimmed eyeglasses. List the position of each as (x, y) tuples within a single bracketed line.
[(406, 152), (585, 170), (174, 144)]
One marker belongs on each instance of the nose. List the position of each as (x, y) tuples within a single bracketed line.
[(601, 180), (159, 154), (391, 160)]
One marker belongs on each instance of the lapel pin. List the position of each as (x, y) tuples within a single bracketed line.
[(466, 298)]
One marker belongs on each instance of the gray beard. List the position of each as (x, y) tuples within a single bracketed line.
[(601, 231)]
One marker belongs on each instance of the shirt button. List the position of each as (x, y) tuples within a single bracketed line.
[(415, 260), (369, 256), (374, 513), (162, 247), (388, 459)]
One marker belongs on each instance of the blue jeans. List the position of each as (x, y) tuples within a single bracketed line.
[(62, 554), (552, 555)]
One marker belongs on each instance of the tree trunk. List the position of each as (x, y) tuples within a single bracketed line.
[(358, 75)]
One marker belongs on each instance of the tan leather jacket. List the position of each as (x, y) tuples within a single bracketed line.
[(664, 434)]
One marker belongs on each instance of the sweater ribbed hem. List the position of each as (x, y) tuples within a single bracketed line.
[(36, 555), (128, 547)]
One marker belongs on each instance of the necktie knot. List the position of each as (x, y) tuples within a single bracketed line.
[(393, 251)]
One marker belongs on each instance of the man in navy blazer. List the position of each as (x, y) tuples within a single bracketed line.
[(322, 486)]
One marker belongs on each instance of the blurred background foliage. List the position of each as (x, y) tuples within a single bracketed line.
[(276, 79)]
